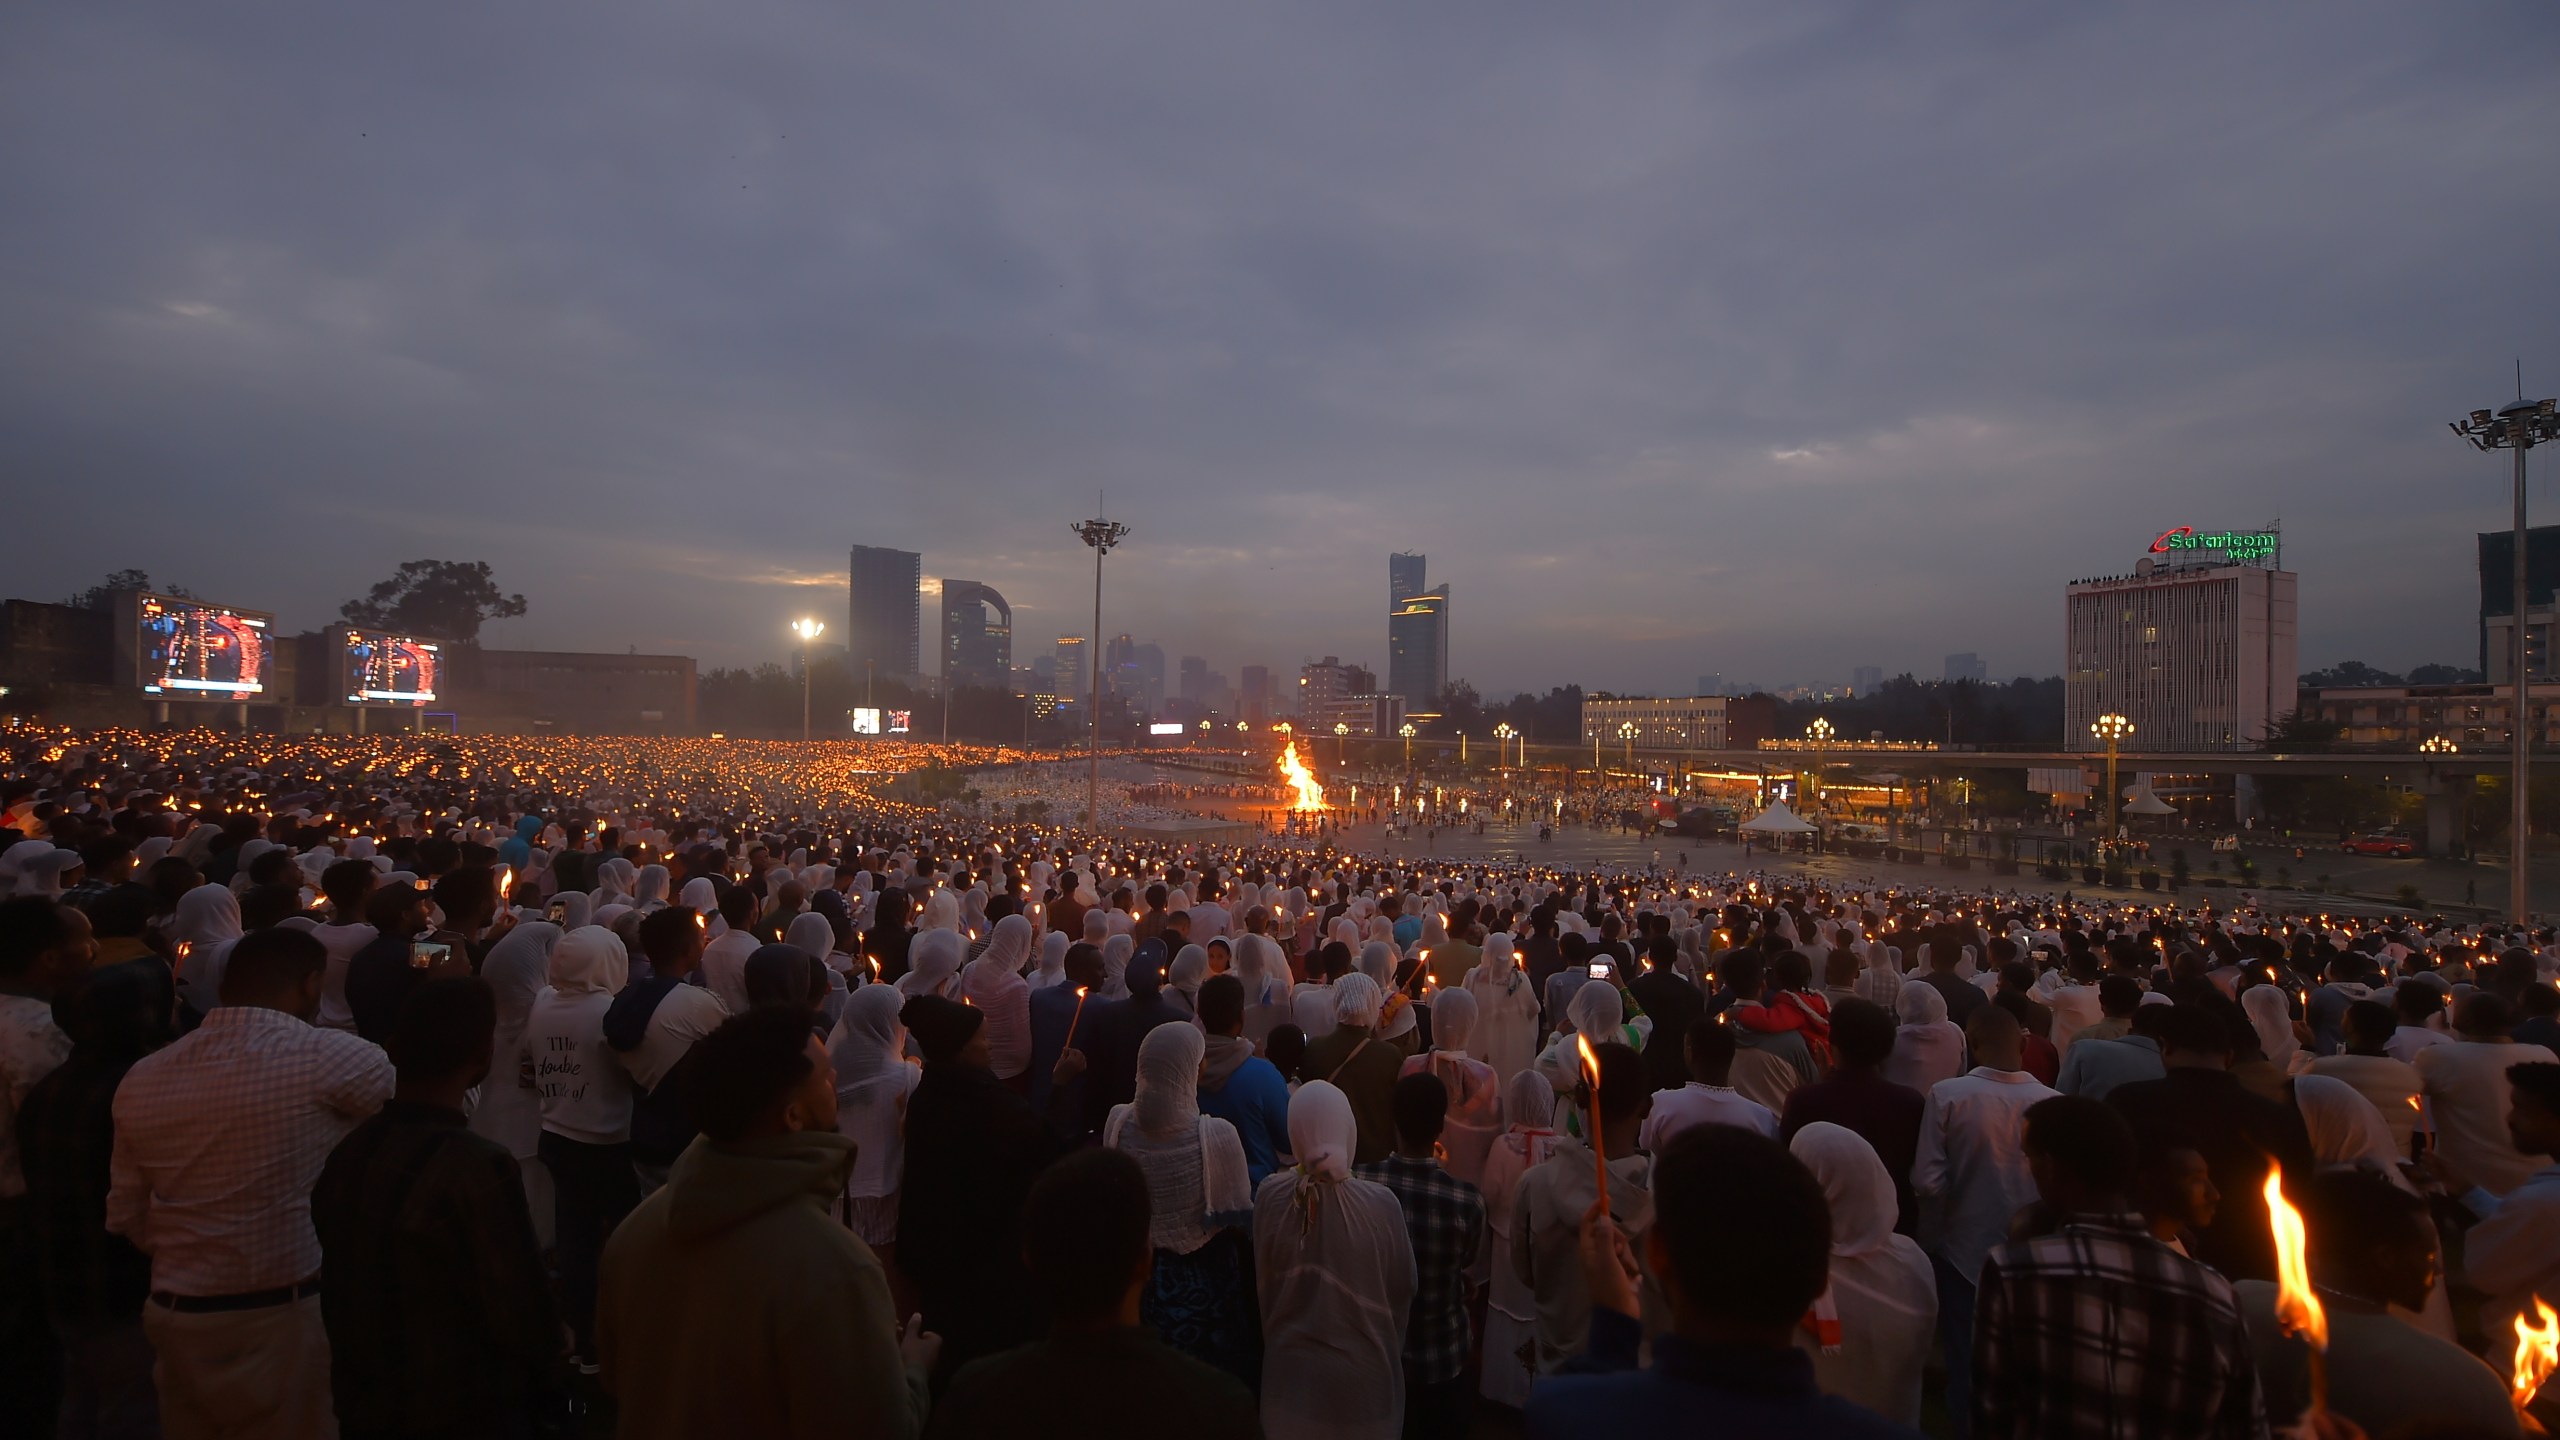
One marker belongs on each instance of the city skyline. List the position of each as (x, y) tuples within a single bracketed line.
[(1560, 307)]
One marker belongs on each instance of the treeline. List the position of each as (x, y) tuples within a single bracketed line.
[(2021, 712)]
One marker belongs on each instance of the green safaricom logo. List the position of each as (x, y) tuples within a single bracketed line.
[(2241, 545)]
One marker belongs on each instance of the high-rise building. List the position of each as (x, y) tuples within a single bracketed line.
[(1865, 680), (1149, 660), (1966, 666), (1195, 680), (2197, 652), (977, 636), (1417, 636), (1254, 701), (883, 621), (1073, 677), (2498, 602)]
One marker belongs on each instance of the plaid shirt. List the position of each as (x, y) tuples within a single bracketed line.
[(2103, 1333), (1445, 1217)]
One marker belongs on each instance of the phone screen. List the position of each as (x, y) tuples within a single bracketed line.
[(1599, 969), (559, 912), (427, 954)]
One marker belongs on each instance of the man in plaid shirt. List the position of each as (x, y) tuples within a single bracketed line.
[(1444, 1215), (2098, 1330)]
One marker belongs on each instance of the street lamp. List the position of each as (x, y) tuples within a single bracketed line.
[(1627, 733), (1819, 732), (2111, 728), (1503, 733), (1406, 730), (2518, 427), (1341, 742), (2438, 745), (1101, 534), (807, 630)]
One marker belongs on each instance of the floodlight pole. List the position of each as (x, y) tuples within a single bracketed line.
[(2519, 427), (1101, 534)]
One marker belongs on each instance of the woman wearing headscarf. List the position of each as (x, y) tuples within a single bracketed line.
[(1116, 950), (1052, 971), (1182, 979), (2270, 1011), (206, 927), (1511, 1310), (615, 880), (785, 975), (812, 935), (888, 941), (933, 964), (2348, 1132), (1397, 1023), (874, 1077), (649, 889), (1335, 1276), (1870, 1331), (519, 965), (1927, 1046), (1199, 1298), (993, 982), (1264, 973), (1475, 1092), (1597, 1011), (1505, 1036), (584, 1097)]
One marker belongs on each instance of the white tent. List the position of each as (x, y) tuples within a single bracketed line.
[(2138, 799), (1777, 820)]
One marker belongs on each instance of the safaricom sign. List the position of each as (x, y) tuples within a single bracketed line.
[(2243, 547)]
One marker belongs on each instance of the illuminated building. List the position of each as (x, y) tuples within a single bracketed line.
[(2498, 602), (2196, 646), (884, 616), (1417, 636), (977, 635), (1685, 722)]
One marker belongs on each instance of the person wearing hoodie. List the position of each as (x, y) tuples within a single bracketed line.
[(584, 1098), (1238, 1086), (732, 1302)]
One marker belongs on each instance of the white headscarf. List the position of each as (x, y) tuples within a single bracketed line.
[(701, 897), (1322, 1131), (1168, 1098), (1053, 961), (1879, 1309), (811, 935), (2272, 1018), (208, 923), (1597, 1011), (1927, 1046), (1116, 950), (1356, 1000), (1453, 1019), (1182, 978), (589, 960), (649, 890), (868, 1038), (933, 963)]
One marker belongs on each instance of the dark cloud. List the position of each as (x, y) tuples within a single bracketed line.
[(1769, 340)]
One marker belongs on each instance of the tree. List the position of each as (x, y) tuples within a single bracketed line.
[(2444, 675), (2295, 731), (440, 599), (2348, 673), (102, 595)]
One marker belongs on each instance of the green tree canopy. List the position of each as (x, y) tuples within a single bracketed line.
[(440, 599), (102, 594)]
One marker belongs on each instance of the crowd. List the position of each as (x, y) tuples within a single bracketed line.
[(445, 1088)]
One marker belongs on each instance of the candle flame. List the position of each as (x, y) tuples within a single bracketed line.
[(1301, 779), (1590, 1061), (2297, 1308), (2537, 1351)]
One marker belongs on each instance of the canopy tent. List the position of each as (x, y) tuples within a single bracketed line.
[(2138, 799), (1777, 820)]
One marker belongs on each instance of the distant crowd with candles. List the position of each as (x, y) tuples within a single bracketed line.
[(504, 1086)]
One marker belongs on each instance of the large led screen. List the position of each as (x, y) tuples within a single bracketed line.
[(377, 667), (193, 651)]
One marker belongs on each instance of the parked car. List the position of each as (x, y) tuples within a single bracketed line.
[(2393, 843)]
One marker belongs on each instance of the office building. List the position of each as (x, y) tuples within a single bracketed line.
[(1417, 636), (1254, 700), (883, 621), (1866, 680), (1692, 722), (1966, 666), (2498, 602), (977, 636), (1330, 691), (2195, 647)]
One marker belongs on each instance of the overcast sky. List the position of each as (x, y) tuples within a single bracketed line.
[(1764, 339)]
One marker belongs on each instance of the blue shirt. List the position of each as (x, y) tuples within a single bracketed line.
[(2095, 1067), (1255, 1100), (1730, 1392)]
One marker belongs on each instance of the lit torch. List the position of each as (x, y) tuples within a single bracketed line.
[(2298, 1309), (2537, 1352)]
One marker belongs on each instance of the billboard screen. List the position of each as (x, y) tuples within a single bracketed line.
[(1161, 728), (193, 651), (377, 667), (866, 720), (899, 720)]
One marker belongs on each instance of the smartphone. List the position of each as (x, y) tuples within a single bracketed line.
[(427, 954), (1599, 969), (559, 912)]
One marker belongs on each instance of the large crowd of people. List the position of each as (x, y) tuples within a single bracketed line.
[(498, 1086)]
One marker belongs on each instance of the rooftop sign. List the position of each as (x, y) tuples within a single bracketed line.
[(2185, 544)]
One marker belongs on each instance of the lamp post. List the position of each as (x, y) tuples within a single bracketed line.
[(2438, 745), (1627, 735), (1502, 734), (807, 630), (1406, 730), (2518, 427), (2111, 728), (1819, 732), (1462, 749), (1101, 534), (1341, 743)]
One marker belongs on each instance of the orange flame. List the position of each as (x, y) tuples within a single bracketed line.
[(2297, 1308), (1590, 1060), (2537, 1351), (1301, 779)]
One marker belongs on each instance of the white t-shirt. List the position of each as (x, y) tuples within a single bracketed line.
[(688, 1013), (1697, 1104), (580, 1087), (342, 942)]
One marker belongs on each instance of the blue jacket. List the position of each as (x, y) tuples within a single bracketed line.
[(1729, 1392), (1255, 1100)]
